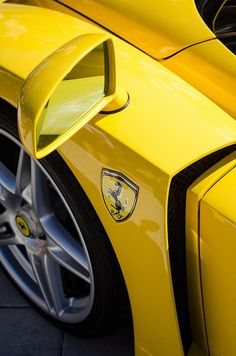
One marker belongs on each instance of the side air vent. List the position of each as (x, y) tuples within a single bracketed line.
[(176, 236), (208, 9), (220, 16)]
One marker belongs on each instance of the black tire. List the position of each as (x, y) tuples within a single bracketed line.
[(111, 307)]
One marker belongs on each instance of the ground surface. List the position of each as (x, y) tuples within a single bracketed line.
[(24, 332)]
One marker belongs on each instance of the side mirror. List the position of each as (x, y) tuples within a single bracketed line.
[(65, 91)]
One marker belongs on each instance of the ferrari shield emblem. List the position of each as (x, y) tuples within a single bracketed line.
[(119, 194)]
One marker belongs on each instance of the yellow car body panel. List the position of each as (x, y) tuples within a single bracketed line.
[(211, 222), (218, 264), (149, 24), (211, 68), (195, 194), (167, 126)]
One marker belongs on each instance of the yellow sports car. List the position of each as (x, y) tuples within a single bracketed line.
[(117, 167)]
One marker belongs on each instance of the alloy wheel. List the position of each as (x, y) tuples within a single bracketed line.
[(41, 245)]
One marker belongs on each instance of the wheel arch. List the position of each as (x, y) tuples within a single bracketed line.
[(55, 158)]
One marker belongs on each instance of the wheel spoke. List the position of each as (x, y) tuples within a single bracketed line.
[(7, 179), (69, 263), (23, 261), (39, 191), (47, 274), (23, 172), (8, 200), (26, 194), (3, 218), (80, 303), (8, 196), (72, 249), (7, 238), (7, 241)]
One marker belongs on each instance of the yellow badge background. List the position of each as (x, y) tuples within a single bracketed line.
[(127, 197)]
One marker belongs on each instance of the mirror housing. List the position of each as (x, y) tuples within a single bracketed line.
[(65, 91)]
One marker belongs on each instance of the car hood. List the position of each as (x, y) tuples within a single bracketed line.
[(159, 28)]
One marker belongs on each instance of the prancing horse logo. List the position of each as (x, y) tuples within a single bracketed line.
[(118, 205), (22, 226), (119, 194)]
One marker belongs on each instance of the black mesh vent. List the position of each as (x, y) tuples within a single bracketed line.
[(176, 236), (208, 10)]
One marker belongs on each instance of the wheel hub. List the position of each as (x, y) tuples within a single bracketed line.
[(31, 232)]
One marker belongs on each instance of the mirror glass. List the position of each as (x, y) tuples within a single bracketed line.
[(81, 89)]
